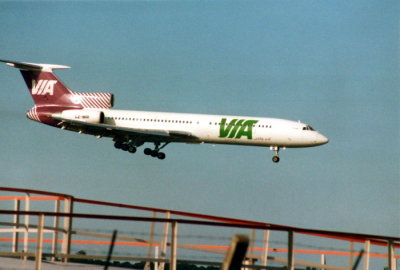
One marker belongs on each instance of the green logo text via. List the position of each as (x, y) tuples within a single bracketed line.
[(236, 128)]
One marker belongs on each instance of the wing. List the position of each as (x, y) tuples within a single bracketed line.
[(145, 135)]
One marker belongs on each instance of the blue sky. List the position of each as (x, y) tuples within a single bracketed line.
[(331, 64)]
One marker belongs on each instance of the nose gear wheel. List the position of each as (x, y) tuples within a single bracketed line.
[(275, 158)]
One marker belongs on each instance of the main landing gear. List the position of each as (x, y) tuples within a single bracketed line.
[(156, 152), (125, 146), (275, 158), (132, 148)]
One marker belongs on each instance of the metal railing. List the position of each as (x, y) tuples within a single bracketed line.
[(54, 229)]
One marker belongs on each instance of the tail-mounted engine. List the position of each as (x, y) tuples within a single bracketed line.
[(89, 116)]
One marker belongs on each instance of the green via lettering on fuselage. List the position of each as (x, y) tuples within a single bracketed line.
[(236, 128)]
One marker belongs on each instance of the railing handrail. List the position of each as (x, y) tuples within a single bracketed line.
[(142, 208), (32, 191)]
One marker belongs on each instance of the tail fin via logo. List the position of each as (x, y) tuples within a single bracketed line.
[(50, 94), (47, 90)]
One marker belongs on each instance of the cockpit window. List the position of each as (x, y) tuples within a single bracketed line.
[(308, 128)]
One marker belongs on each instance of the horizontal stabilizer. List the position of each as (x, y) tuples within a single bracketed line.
[(33, 66)]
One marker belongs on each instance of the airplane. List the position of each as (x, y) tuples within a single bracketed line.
[(90, 113)]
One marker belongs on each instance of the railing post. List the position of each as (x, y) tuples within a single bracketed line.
[(351, 254), (252, 240), (367, 248), (56, 223), (26, 233), (174, 244), (156, 252), (17, 207), (323, 260), (39, 244), (290, 250), (391, 257), (150, 242), (164, 241), (66, 244), (264, 260)]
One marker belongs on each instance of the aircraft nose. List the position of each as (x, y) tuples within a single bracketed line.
[(321, 139)]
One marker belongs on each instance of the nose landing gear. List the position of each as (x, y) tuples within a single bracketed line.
[(275, 158)]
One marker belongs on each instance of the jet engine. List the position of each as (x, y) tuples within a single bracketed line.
[(89, 116)]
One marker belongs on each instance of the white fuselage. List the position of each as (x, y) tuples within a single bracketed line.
[(221, 129)]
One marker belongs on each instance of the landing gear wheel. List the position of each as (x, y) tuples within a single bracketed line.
[(156, 152), (125, 147), (118, 145), (161, 155), (132, 149), (276, 149), (275, 159)]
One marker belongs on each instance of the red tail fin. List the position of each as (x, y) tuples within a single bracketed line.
[(47, 90), (51, 95)]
